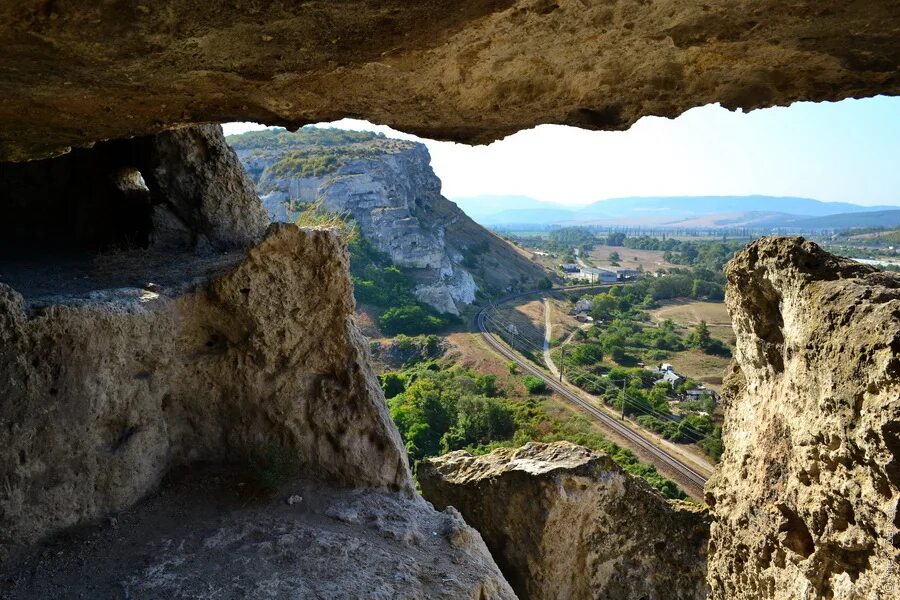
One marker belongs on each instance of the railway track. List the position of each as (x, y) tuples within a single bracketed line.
[(692, 479)]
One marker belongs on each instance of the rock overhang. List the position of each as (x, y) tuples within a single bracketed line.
[(470, 71)]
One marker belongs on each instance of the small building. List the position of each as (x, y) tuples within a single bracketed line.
[(569, 268), (599, 275), (584, 305), (622, 273), (672, 378), (697, 393)]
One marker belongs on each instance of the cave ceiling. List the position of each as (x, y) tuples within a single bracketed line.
[(79, 71)]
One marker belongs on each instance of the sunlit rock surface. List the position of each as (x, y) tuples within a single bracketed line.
[(806, 501), (388, 189), (563, 521)]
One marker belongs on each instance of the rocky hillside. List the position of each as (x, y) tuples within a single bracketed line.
[(386, 187)]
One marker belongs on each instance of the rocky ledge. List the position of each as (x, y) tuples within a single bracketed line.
[(805, 504), (309, 540), (563, 521)]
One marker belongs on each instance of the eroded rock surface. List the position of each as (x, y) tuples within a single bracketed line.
[(473, 70), (308, 541), (101, 392), (563, 521), (805, 504), (389, 190)]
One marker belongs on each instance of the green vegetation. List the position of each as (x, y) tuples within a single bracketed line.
[(319, 161), (411, 319), (277, 139), (314, 216), (378, 282), (534, 385), (439, 409), (700, 338)]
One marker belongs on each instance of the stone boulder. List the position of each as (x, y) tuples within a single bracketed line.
[(805, 504), (563, 521)]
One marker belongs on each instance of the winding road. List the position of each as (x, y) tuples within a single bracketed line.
[(689, 477)]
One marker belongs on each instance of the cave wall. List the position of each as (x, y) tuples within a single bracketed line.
[(78, 71), (806, 500), (101, 395)]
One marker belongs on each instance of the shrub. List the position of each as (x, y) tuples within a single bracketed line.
[(413, 319), (534, 385)]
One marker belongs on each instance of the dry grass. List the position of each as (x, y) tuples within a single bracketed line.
[(649, 260), (528, 319), (701, 366), (688, 313)]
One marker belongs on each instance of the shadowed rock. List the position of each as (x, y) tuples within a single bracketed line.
[(469, 70)]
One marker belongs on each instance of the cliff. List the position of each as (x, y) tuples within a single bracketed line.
[(386, 187), (563, 521), (805, 503)]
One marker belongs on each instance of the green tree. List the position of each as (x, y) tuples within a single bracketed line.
[(586, 354), (615, 239), (700, 336)]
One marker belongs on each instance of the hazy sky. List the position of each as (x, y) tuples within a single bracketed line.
[(844, 151)]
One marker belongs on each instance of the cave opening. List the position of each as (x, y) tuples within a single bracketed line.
[(87, 201), (120, 214)]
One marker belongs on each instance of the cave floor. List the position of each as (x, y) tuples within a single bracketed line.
[(62, 278), (207, 534)]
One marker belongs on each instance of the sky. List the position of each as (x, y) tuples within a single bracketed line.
[(843, 151)]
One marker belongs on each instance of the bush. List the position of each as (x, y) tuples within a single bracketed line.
[(585, 354), (534, 385), (413, 319)]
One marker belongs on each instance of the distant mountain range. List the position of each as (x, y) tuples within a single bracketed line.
[(763, 212)]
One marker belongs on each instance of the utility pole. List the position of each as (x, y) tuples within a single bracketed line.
[(624, 381)]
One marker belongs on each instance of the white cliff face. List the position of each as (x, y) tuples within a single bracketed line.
[(395, 198)]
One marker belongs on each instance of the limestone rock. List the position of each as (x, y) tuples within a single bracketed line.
[(563, 521), (103, 390), (391, 192), (470, 70), (805, 504), (203, 536)]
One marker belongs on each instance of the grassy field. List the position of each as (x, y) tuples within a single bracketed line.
[(649, 260), (688, 313), (694, 363)]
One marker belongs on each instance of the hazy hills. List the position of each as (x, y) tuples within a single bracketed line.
[(681, 211)]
